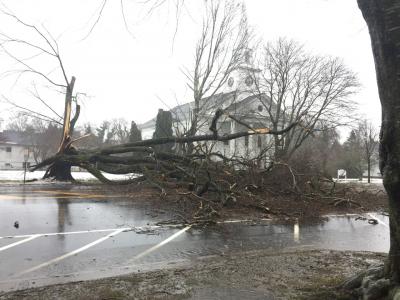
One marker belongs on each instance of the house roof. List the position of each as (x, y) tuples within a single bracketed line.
[(13, 137)]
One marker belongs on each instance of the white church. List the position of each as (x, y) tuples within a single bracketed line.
[(238, 98)]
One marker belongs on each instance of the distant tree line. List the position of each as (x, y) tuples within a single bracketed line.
[(45, 136), (324, 153)]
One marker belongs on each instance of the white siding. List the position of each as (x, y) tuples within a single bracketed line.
[(12, 156)]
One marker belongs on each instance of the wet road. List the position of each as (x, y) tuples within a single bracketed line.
[(71, 233)]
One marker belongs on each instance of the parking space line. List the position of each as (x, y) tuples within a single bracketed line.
[(16, 197), (164, 242), (242, 221), (61, 192), (69, 254), (77, 194), (30, 238), (79, 232), (150, 227)]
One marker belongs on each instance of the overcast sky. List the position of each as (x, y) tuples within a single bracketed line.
[(130, 74)]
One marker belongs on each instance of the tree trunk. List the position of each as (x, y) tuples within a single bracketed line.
[(194, 124), (369, 170), (60, 170), (383, 20)]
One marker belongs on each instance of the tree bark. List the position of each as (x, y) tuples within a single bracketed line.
[(383, 20), (369, 170), (61, 170)]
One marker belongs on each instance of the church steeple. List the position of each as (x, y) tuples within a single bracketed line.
[(242, 78)]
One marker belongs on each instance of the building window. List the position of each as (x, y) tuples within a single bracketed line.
[(281, 143), (247, 56), (260, 108), (8, 149), (246, 141), (225, 129), (259, 142), (249, 80), (8, 165), (26, 165)]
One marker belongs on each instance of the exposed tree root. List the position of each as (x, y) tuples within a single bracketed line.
[(372, 284)]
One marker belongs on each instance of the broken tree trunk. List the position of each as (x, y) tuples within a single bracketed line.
[(61, 169)]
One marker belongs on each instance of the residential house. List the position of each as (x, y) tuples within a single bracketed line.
[(15, 152)]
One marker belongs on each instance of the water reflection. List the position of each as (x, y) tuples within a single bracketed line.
[(296, 232), (23, 196), (63, 216), (336, 233)]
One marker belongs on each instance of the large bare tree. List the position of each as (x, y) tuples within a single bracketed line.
[(369, 143), (294, 85), (224, 37), (383, 20), (40, 44)]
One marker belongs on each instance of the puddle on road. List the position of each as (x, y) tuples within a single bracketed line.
[(335, 233), (46, 212)]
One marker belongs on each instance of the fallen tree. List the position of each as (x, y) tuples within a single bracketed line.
[(209, 179), (144, 159)]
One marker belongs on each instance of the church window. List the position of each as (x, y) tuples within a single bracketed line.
[(259, 142), (249, 80), (247, 56), (230, 81)]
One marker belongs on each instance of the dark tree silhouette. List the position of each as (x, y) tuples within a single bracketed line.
[(163, 129), (383, 20), (134, 133)]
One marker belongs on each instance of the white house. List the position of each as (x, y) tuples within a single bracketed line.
[(238, 98), (14, 154)]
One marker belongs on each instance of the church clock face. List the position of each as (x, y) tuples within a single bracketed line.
[(249, 81), (230, 81)]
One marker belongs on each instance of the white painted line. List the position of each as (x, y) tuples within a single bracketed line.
[(242, 221), (30, 238), (78, 232), (56, 233), (62, 257), (152, 227), (164, 242), (341, 215), (379, 220)]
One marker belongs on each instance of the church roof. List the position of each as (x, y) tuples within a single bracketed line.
[(233, 102)]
